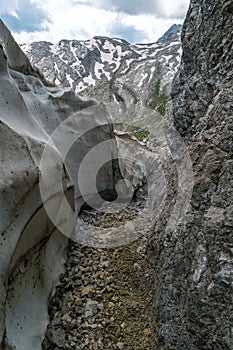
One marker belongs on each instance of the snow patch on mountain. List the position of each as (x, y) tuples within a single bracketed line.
[(86, 65)]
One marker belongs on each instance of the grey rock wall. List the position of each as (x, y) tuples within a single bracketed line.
[(32, 249), (193, 264)]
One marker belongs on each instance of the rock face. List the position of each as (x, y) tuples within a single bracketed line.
[(32, 250), (193, 265), (111, 69), (170, 33), (30, 244)]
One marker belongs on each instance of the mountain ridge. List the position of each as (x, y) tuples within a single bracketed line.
[(129, 71)]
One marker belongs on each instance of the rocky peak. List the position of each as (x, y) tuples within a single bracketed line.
[(171, 34)]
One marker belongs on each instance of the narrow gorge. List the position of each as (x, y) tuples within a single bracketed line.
[(116, 190)]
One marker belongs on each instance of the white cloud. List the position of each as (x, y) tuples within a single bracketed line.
[(81, 22), (152, 27), (100, 17), (174, 9), (159, 8), (9, 6), (130, 7)]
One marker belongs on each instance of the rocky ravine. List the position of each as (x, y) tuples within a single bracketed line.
[(193, 265), (33, 250), (105, 296)]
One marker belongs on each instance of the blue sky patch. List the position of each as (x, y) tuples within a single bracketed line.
[(130, 33), (31, 18)]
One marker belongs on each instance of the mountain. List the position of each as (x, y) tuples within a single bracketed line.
[(111, 69), (170, 34)]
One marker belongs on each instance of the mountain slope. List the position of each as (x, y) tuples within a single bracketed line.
[(110, 69)]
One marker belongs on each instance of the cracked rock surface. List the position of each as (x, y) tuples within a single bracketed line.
[(193, 265)]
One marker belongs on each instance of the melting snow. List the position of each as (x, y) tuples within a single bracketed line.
[(57, 82), (144, 76), (79, 87), (151, 73), (167, 58), (174, 43), (56, 67), (98, 70), (54, 49), (108, 46), (106, 57), (128, 62), (113, 56), (108, 75), (179, 51), (89, 80), (70, 80), (26, 48), (118, 54)]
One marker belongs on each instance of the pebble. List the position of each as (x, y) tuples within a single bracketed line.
[(90, 308), (86, 290), (101, 302)]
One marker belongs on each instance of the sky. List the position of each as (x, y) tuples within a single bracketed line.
[(137, 21)]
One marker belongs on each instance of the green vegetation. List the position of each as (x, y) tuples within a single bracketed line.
[(118, 126), (138, 132), (112, 80), (158, 100), (141, 135)]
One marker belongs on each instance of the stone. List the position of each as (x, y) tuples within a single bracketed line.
[(90, 308), (93, 326), (66, 318), (58, 338), (147, 332), (78, 300), (85, 290), (104, 264), (111, 304), (100, 307)]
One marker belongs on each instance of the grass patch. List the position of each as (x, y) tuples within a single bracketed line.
[(158, 101), (138, 132), (141, 135)]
